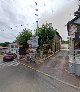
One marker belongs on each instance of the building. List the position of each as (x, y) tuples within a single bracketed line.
[(57, 42), (73, 28), (13, 47), (3, 49)]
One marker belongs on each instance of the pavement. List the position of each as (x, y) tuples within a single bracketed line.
[(50, 76), (56, 67), (32, 77), (23, 79)]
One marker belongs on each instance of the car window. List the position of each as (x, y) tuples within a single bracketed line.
[(9, 54)]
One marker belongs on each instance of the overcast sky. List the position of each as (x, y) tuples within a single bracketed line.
[(18, 14)]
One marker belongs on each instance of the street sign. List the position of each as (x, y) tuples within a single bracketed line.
[(33, 41)]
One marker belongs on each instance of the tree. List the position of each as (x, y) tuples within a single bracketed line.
[(5, 44), (46, 34), (23, 37)]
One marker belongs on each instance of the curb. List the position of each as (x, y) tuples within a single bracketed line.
[(48, 57), (40, 61), (49, 76)]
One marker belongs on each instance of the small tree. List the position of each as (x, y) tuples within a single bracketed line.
[(5, 44), (46, 35), (23, 37)]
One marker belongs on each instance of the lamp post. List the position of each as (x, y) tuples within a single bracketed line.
[(37, 23), (37, 27), (36, 16)]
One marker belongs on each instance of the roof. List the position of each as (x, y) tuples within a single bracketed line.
[(73, 21), (58, 34), (1, 47), (13, 43)]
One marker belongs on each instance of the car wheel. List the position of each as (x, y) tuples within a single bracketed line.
[(12, 59), (4, 60)]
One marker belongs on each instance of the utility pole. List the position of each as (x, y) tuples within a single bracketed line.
[(37, 28), (36, 9), (37, 23)]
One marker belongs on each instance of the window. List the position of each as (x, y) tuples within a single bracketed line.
[(12, 46)]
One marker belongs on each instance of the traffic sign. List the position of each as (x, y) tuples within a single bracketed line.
[(33, 41)]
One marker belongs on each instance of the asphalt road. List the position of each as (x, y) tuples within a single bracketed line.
[(18, 78)]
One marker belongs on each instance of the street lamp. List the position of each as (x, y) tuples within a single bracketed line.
[(37, 23), (36, 15), (37, 27)]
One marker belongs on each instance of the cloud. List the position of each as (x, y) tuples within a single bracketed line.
[(61, 16), (14, 13)]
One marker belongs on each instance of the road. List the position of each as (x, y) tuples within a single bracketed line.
[(15, 77)]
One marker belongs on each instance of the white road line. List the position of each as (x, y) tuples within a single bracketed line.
[(50, 76), (13, 63), (6, 64), (1, 64)]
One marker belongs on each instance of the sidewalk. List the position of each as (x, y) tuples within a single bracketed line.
[(57, 66)]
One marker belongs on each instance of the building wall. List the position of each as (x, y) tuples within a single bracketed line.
[(57, 43), (3, 49), (13, 48)]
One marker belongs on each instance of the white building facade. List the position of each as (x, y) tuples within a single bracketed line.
[(13, 47)]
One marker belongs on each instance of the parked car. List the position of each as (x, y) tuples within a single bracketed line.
[(9, 56), (12, 54)]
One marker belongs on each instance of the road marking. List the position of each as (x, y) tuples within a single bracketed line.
[(13, 63), (1, 64), (49, 76)]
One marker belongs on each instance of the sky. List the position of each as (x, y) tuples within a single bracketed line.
[(18, 14)]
